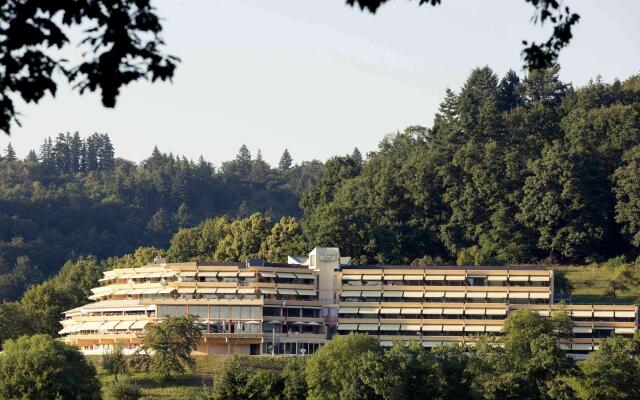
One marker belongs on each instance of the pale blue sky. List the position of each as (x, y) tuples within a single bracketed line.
[(319, 77)]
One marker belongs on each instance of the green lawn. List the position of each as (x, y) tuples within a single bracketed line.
[(590, 283), (178, 388)]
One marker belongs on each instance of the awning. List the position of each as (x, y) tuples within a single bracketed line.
[(367, 327), (246, 290), (457, 295), (123, 325), (578, 313), (306, 292), (348, 310), (109, 325), (350, 293), (304, 276), (603, 314), (268, 291), (371, 277), (453, 311), (539, 278), (493, 328), (207, 290), (625, 314), (496, 311), (287, 291), (368, 310), (456, 277), (393, 278), (431, 328), (497, 278), (413, 295), (411, 311), (474, 328), (410, 327), (392, 293), (186, 290), (247, 274), (452, 328), (228, 274), (371, 293), (139, 325), (539, 295), (352, 277), (432, 311), (225, 290), (286, 275), (150, 291), (428, 294), (208, 274), (625, 330), (157, 274), (476, 295), (134, 292), (168, 274), (434, 277), (519, 278), (121, 292), (389, 311), (390, 327), (188, 274), (267, 274), (474, 311), (544, 313), (581, 329), (90, 326), (413, 277), (581, 346), (347, 327), (166, 290), (519, 295), (497, 295)]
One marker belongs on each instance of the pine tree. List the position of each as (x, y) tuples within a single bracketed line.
[(106, 154), (244, 155), (46, 156), (259, 155), (75, 145), (357, 157), (91, 152), (10, 154), (285, 160)]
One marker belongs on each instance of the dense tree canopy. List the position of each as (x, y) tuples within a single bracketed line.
[(40, 368), (120, 44)]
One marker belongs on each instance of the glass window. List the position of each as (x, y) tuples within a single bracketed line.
[(256, 312), (235, 312), (162, 311), (245, 312)]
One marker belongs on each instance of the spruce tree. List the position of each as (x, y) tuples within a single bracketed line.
[(10, 154), (357, 157), (285, 161)]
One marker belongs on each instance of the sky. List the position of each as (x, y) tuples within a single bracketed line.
[(319, 77)]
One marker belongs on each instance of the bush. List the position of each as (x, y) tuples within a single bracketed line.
[(38, 367), (125, 391)]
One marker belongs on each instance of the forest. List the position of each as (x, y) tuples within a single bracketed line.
[(513, 170)]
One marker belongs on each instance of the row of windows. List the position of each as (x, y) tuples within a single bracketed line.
[(216, 312), (422, 316), (470, 282), (291, 312), (443, 300)]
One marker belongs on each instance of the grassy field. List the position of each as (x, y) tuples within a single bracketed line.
[(590, 283), (181, 387)]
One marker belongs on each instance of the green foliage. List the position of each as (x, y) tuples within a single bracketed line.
[(527, 360), (122, 46), (115, 362), (285, 161), (403, 372), (295, 383), (14, 321), (612, 372), (125, 391), (241, 378), (285, 239), (170, 344), (335, 370), (40, 368)]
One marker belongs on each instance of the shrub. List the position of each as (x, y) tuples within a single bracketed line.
[(125, 391)]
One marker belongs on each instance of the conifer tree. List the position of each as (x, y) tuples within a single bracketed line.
[(357, 157), (10, 154), (285, 161)]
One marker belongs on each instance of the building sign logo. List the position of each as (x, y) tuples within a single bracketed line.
[(328, 255)]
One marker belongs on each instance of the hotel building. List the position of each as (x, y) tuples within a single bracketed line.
[(256, 307)]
